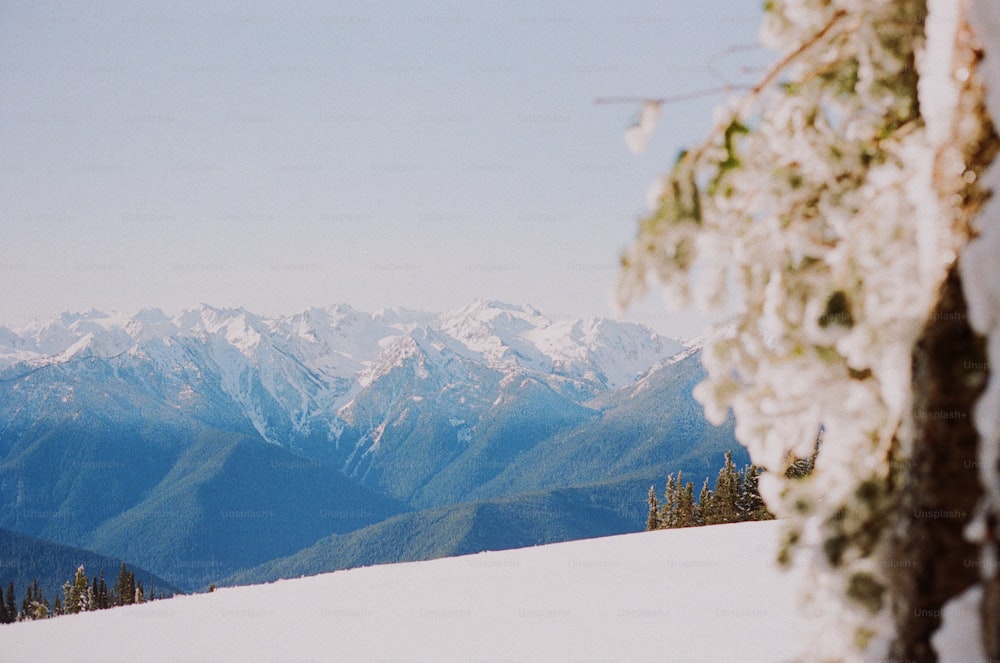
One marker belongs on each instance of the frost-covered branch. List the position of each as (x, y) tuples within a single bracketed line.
[(814, 214)]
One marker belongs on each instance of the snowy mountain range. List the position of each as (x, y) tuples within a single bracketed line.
[(217, 439), (342, 345), (313, 365)]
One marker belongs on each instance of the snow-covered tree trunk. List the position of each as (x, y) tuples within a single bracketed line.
[(843, 209), (980, 268), (932, 562), (937, 486)]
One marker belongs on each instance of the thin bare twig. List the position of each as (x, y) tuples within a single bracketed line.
[(668, 100), (753, 92), (772, 74)]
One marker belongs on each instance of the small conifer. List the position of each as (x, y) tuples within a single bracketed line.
[(705, 504), (685, 506), (11, 608), (652, 521)]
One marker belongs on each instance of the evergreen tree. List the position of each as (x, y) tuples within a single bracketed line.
[(38, 609), (705, 504), (726, 492), (11, 608), (26, 612), (679, 514), (39, 605), (800, 468), (751, 504), (653, 520), (67, 589), (741, 476), (124, 591), (685, 506), (140, 593), (668, 512), (103, 601), (78, 593), (735, 498), (57, 607)]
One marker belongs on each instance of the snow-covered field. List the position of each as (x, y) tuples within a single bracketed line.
[(707, 594)]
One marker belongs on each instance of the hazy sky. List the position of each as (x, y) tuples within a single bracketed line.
[(284, 155)]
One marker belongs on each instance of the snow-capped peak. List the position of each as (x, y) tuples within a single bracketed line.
[(488, 309), (313, 363)]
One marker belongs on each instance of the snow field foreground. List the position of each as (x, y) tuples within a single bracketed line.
[(704, 594)]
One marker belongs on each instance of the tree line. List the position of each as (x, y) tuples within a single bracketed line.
[(733, 498), (82, 594)]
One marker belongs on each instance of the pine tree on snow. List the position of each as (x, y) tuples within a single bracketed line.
[(77, 593), (686, 506), (25, 613), (706, 504), (103, 601), (91, 600), (11, 607), (124, 590), (751, 504), (725, 509), (39, 605), (668, 510), (653, 520)]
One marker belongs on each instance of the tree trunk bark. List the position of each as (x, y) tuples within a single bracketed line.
[(938, 485)]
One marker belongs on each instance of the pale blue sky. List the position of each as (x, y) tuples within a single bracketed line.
[(374, 153)]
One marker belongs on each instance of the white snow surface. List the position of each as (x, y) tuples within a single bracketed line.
[(705, 594), (959, 639)]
